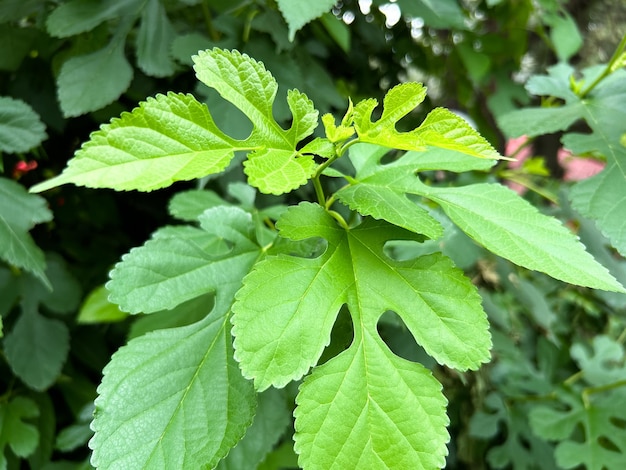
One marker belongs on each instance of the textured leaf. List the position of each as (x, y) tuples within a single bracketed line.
[(166, 139), (367, 408), (89, 82), (279, 337), (19, 435), (168, 271), (200, 405), (172, 398), (172, 138), (20, 127), (36, 349), (154, 41), (441, 128), (19, 212), (510, 227), (246, 84), (297, 13)]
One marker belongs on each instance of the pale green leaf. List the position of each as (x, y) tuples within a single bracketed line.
[(20, 436), (19, 212), (279, 337), (506, 224), (297, 13), (89, 82), (367, 408), (338, 30), (251, 88), (154, 41), (565, 35), (168, 271), (98, 309), (271, 420), (398, 102), (172, 398), (166, 139), (20, 127), (36, 349)]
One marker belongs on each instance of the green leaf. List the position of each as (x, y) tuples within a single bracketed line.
[(172, 398), (168, 271), (539, 121), (189, 205), (565, 35), (78, 16), (441, 128), (98, 309), (172, 138), (604, 364), (19, 212), (15, 432), (603, 439), (89, 82), (166, 139), (154, 41), (270, 422), (246, 84), (360, 410), (297, 13), (36, 349), (379, 190), (20, 127), (280, 333), (506, 224), (442, 14), (66, 291)]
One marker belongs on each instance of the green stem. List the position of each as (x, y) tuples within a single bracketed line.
[(608, 70), (603, 388), (208, 21), (319, 191)]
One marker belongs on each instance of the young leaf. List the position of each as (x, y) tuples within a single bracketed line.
[(297, 13), (36, 349), (172, 138), (166, 139), (19, 435), (172, 398), (367, 408), (275, 166), (280, 333), (20, 127), (20, 212)]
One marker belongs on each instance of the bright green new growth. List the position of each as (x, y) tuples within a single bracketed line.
[(178, 397)]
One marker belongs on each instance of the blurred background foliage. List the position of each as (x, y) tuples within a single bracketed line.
[(554, 394)]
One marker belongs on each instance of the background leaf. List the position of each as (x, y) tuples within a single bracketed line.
[(154, 41), (22, 437), (20, 127), (297, 13)]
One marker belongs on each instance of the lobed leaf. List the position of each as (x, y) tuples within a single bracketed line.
[(15, 432), (278, 337), (367, 408)]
